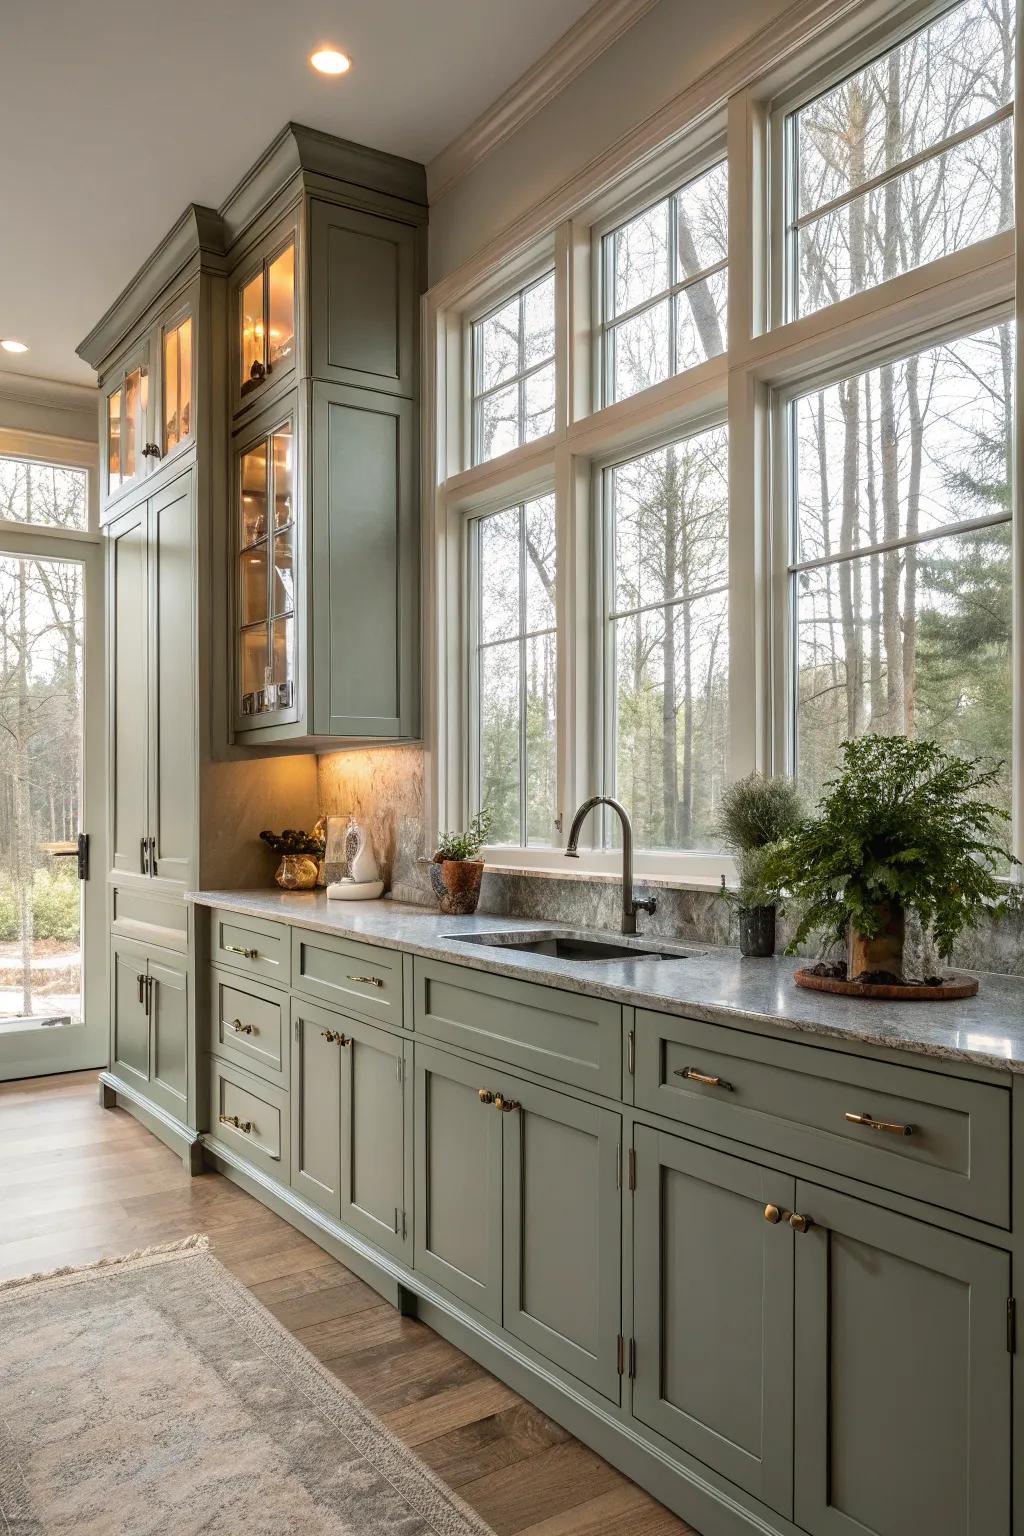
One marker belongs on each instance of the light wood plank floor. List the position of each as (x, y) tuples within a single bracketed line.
[(78, 1183)]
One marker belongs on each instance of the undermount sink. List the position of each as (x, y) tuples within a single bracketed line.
[(568, 946)]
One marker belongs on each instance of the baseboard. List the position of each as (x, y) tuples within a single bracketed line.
[(684, 1485), (173, 1133)]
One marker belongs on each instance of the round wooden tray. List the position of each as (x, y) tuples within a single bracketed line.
[(956, 985)]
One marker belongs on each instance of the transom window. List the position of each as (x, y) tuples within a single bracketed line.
[(513, 580), (50, 495), (664, 287), (907, 160), (513, 395), (666, 621)]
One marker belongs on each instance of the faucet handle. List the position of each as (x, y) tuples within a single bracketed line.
[(647, 904)]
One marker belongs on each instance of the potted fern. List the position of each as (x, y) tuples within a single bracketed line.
[(457, 869), (904, 828), (754, 814)]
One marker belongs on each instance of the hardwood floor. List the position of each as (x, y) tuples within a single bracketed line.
[(78, 1183)]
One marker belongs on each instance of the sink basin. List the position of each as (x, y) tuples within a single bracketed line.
[(569, 946)]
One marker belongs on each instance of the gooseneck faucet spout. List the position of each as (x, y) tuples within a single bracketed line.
[(630, 905)]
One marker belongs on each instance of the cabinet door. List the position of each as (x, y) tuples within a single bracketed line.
[(318, 1044), (265, 329), (127, 423), (713, 1311), (177, 381), (365, 555), (363, 299), (562, 1230), (458, 1179), (129, 1019), (172, 684), (168, 1030), (902, 1376), (128, 644), (373, 1132)]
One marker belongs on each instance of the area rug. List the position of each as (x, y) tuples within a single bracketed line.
[(153, 1394)]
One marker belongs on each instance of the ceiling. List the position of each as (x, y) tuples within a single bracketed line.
[(116, 113)]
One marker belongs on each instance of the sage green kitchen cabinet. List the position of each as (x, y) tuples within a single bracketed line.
[(149, 1023), (348, 1122), (902, 1385), (264, 324), (562, 1212), (458, 1179), (363, 297), (128, 692), (129, 400), (713, 1311)]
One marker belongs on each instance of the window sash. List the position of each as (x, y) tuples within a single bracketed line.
[(523, 373)]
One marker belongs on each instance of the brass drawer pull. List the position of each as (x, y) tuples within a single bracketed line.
[(238, 949), (245, 1126), (505, 1105), (693, 1076), (485, 1096), (335, 1037), (369, 981), (242, 1029), (893, 1127)]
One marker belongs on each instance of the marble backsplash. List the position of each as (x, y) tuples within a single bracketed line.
[(383, 787)]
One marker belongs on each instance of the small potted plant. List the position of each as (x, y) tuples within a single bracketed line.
[(754, 815), (904, 828), (456, 869), (301, 857)]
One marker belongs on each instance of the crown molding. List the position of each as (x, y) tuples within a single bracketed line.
[(595, 31)]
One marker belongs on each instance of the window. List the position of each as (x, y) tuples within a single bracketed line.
[(513, 681), (901, 576), (514, 371), (667, 612), (907, 160), (664, 286), (48, 495)]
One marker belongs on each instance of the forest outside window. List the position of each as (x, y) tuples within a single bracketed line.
[(905, 161), (513, 584), (664, 286), (901, 566), (513, 371), (667, 640), (47, 495)]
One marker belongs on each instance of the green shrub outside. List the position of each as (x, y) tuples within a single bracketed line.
[(55, 907)]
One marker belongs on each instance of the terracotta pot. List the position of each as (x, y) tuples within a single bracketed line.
[(882, 953), (297, 871), (456, 884)]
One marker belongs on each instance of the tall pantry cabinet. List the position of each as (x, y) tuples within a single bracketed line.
[(258, 499)]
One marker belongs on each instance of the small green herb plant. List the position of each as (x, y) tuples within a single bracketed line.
[(291, 840), (903, 828), (465, 845), (754, 815)]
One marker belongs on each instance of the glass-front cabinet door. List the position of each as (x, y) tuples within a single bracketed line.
[(265, 515), (265, 346), (129, 452), (176, 382)]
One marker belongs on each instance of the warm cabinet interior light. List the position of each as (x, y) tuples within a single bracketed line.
[(10, 345), (330, 61)]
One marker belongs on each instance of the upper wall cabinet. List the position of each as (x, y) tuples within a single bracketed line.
[(265, 307), (363, 294)]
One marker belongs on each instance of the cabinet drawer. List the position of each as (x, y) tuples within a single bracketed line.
[(563, 1035), (795, 1099), (251, 944), (248, 1025), (261, 1112), (349, 974)]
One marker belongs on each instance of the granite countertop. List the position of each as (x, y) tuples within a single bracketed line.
[(714, 984)]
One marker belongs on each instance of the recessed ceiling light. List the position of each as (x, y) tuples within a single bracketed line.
[(10, 345), (330, 61)]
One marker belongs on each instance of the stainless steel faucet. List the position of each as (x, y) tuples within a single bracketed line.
[(630, 905)]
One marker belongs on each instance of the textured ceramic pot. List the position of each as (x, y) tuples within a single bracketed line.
[(298, 872), (456, 884), (882, 954), (757, 932)]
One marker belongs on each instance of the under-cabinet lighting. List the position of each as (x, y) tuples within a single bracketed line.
[(10, 345), (330, 61)]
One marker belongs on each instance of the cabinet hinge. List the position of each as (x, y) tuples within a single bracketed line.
[(632, 1168), (1011, 1324), (631, 1052), (632, 1359), (620, 1355)]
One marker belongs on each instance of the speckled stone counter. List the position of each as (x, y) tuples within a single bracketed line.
[(713, 984)]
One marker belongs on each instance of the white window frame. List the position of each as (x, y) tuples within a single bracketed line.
[(544, 269)]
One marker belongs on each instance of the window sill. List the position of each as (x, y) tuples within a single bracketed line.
[(606, 877)]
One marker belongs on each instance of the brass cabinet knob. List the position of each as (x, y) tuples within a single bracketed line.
[(773, 1214), (485, 1096), (800, 1223), (335, 1037), (505, 1105), (243, 1029)]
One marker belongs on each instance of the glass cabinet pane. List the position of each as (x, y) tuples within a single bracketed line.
[(114, 409), (284, 476), (284, 656), (177, 380), (254, 584), (284, 563), (253, 359), (281, 308), (135, 401), (254, 494), (254, 668)]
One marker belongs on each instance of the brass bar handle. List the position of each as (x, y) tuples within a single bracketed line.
[(893, 1127), (144, 855), (505, 1105), (693, 1076), (335, 1037), (242, 1029), (485, 1096), (239, 949), (245, 1126), (369, 981), (140, 982)]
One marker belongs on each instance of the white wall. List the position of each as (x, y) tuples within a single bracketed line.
[(662, 54), (45, 408)]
